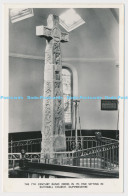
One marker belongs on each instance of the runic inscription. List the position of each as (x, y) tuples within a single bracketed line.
[(53, 128)]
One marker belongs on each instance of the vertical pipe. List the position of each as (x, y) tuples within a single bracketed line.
[(104, 159), (31, 147), (11, 152), (27, 146), (94, 159), (116, 156), (107, 159), (110, 158), (90, 161), (113, 156), (13, 164), (87, 143), (87, 161), (97, 153), (11, 146), (76, 123), (117, 123), (82, 142)]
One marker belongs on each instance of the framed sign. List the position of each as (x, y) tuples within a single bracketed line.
[(109, 104)]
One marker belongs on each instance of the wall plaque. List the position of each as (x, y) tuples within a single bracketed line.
[(109, 104)]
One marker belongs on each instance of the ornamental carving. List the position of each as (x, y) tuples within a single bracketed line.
[(64, 37), (58, 109), (57, 75), (56, 34), (47, 89), (48, 58), (47, 32), (57, 53), (58, 90), (53, 110)]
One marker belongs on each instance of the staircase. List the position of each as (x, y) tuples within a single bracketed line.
[(91, 155)]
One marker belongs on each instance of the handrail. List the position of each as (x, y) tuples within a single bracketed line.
[(68, 137), (79, 152), (110, 139), (83, 142), (101, 156), (24, 140), (41, 138)]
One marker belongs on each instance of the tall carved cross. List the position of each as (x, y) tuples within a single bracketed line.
[(53, 126)]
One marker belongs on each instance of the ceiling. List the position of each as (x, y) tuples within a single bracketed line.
[(97, 38)]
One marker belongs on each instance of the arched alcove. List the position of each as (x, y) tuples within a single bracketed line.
[(73, 91)]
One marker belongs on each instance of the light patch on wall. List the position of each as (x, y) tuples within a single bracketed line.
[(20, 14), (70, 20)]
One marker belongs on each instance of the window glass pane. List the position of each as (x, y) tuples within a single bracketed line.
[(66, 78)]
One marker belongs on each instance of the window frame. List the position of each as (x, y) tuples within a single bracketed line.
[(69, 125)]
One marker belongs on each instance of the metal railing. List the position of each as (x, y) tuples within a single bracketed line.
[(34, 145), (31, 145), (103, 154)]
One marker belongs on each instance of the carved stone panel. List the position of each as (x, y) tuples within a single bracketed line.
[(53, 128)]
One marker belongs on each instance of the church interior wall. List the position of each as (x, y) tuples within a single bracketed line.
[(94, 79), (96, 39)]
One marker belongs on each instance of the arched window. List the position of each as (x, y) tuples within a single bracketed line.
[(67, 91)]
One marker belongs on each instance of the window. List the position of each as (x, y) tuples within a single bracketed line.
[(70, 20), (67, 91), (20, 14)]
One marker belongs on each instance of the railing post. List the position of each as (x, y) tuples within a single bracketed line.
[(27, 146), (82, 142), (113, 155), (90, 161), (87, 143), (11, 152), (23, 160), (104, 159), (11, 146), (13, 164), (107, 158), (110, 158)]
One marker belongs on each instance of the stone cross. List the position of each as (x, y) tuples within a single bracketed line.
[(53, 126)]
